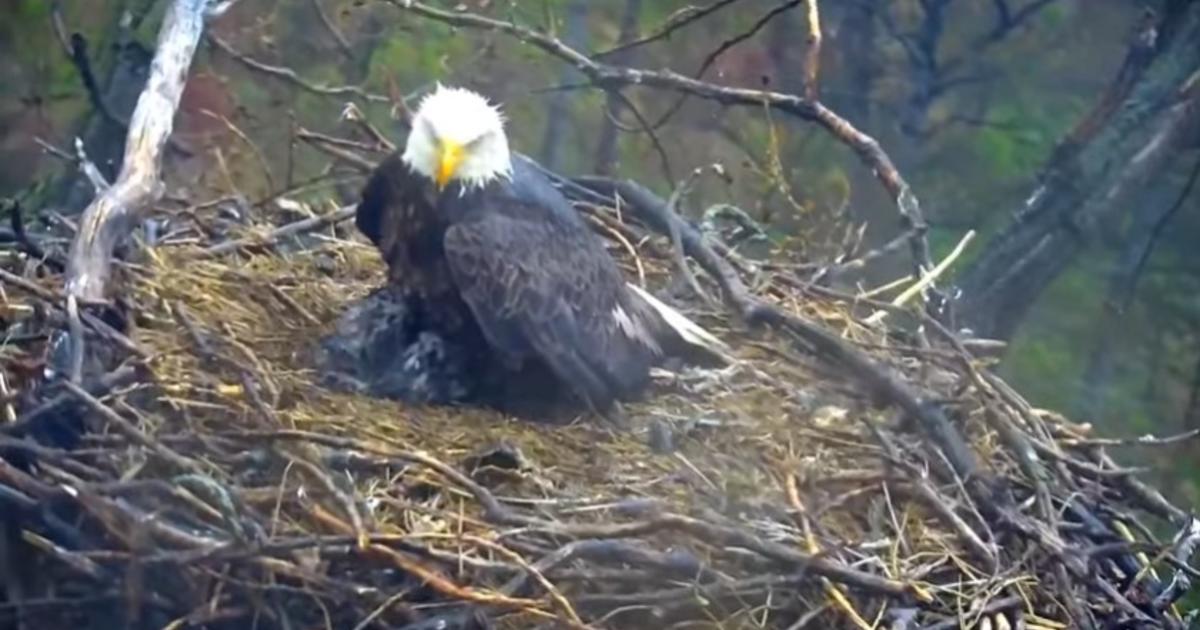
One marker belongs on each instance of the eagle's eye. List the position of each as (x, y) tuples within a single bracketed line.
[(474, 142)]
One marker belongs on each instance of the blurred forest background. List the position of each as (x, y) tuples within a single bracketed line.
[(970, 98)]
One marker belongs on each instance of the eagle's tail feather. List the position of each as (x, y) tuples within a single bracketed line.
[(687, 330)]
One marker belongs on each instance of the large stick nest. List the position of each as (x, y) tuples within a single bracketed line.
[(215, 482)]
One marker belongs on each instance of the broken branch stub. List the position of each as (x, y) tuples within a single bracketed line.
[(113, 213)]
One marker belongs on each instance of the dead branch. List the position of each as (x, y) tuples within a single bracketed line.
[(289, 75), (292, 229), (678, 20), (113, 214)]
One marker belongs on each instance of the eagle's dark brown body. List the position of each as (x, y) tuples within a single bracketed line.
[(511, 271)]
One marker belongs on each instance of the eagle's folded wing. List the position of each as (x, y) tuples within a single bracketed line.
[(540, 288)]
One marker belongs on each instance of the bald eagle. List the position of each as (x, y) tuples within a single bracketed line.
[(494, 258)]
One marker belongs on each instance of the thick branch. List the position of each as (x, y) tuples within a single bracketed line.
[(112, 215)]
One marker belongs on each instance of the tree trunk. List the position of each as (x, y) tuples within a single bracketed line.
[(1090, 402), (1146, 118), (606, 149), (558, 114)]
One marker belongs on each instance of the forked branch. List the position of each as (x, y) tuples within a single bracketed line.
[(114, 212)]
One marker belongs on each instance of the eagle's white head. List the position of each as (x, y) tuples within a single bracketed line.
[(457, 135)]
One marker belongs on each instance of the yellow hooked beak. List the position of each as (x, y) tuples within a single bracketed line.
[(450, 157)]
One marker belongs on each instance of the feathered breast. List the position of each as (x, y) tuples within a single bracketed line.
[(397, 212)]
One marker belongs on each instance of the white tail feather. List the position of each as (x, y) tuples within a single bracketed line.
[(690, 331)]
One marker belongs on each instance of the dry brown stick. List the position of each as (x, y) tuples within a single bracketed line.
[(924, 490), (1148, 439), (48, 409), (111, 216), (939, 504), (134, 434), (429, 576), (254, 148), (552, 591), (802, 517), (678, 255), (76, 561), (353, 114), (345, 500), (58, 456), (995, 606), (674, 22)]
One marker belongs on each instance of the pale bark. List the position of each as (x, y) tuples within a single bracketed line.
[(112, 214)]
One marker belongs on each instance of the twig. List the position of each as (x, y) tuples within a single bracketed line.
[(676, 21), (332, 146), (97, 324), (79, 57), (292, 229), (677, 196), (836, 270), (721, 49), (54, 406), (258, 154), (555, 595), (343, 45), (1156, 232), (429, 576), (127, 428), (289, 75), (347, 502), (89, 168), (926, 280)]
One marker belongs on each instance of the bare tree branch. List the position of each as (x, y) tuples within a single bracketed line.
[(678, 20), (290, 75), (112, 214)]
